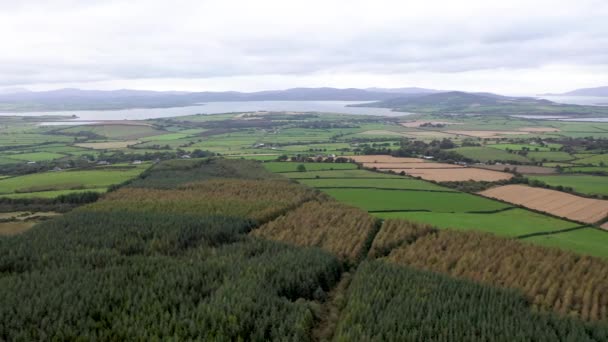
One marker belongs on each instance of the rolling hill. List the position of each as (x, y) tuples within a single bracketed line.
[(457, 102)]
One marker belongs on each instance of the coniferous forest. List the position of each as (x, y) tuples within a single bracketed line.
[(222, 250)]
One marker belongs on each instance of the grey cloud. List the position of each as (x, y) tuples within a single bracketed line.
[(144, 42)]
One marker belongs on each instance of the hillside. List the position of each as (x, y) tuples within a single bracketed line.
[(458, 102), (77, 99), (597, 91)]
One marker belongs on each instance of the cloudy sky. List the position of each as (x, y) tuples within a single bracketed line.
[(511, 47)]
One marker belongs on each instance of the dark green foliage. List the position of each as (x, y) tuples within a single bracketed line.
[(172, 173), (60, 203), (247, 291), (393, 303), (160, 275)]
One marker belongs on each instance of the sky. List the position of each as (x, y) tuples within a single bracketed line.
[(509, 47)]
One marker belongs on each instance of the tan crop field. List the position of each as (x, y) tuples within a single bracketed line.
[(604, 226), (457, 175), (423, 165), (428, 170), (554, 202)]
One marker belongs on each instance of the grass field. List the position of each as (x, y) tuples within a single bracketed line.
[(52, 193), (336, 174), (584, 184), (388, 183), (514, 222), (166, 137), (485, 154), (67, 180), (597, 160), (292, 166), (550, 156), (519, 147), (36, 156), (377, 200), (116, 131), (589, 241)]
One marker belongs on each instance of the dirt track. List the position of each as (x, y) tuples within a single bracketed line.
[(551, 201)]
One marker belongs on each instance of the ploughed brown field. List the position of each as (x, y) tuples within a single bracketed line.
[(428, 170), (525, 169), (553, 202), (604, 226)]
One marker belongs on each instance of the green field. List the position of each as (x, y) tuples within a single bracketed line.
[(514, 222), (262, 157), (485, 154), (402, 183), (67, 180), (378, 200), (599, 159), (336, 174), (292, 166), (590, 241), (35, 156), (584, 184), (115, 131), (52, 194), (166, 137), (519, 147), (550, 156)]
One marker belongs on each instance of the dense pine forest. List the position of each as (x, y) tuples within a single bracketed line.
[(216, 249)]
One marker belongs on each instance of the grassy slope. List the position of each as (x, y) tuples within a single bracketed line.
[(589, 241), (66, 180), (485, 154), (292, 167), (375, 200), (515, 222), (584, 184)]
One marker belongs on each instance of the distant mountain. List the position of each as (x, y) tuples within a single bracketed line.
[(13, 90), (77, 99), (598, 91), (455, 99), (408, 90), (457, 102)]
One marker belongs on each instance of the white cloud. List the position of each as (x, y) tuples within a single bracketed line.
[(508, 46)]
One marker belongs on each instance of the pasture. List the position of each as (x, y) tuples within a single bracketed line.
[(293, 166), (511, 223), (33, 184), (556, 156), (401, 183), (485, 154), (130, 131), (388, 200), (584, 184), (339, 174), (588, 241), (35, 156)]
